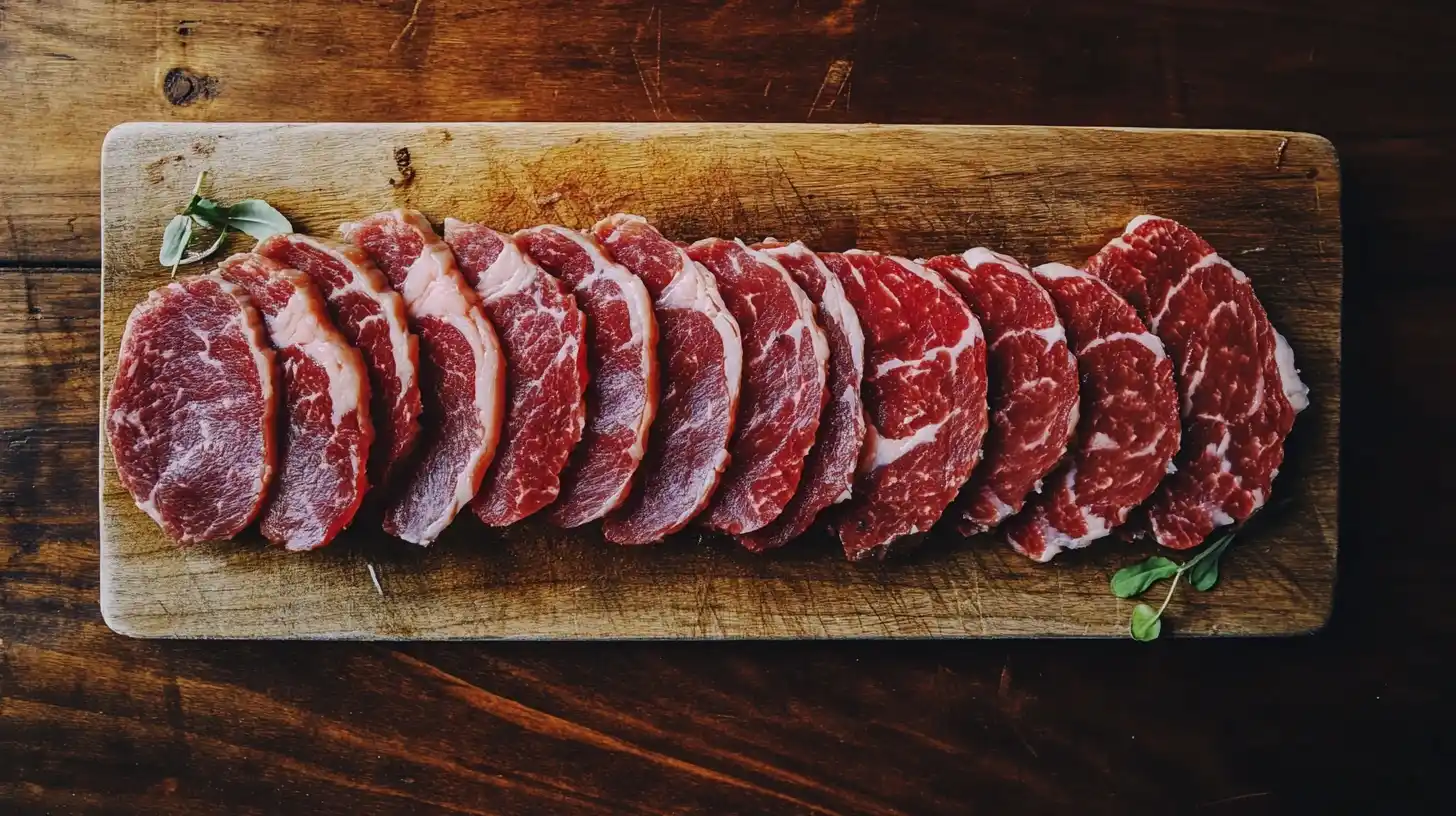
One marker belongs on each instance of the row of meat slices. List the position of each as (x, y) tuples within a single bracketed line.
[(760, 391)]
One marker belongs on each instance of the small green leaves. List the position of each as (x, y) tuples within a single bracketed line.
[(1130, 582), (207, 213), (257, 218), (174, 241), (1201, 571), (252, 216), (1147, 624), (1203, 574)]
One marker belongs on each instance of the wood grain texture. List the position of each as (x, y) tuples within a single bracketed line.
[(1353, 719), (1267, 200), (95, 723), (79, 68)]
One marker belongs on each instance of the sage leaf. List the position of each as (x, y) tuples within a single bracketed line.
[(257, 218), (1146, 624), (197, 256), (1130, 582), (207, 212), (174, 241)]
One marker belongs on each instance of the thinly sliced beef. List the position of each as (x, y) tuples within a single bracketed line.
[(1033, 376), (325, 433), (371, 316), (924, 392), (784, 360), (543, 336), (701, 362), (462, 374), (1128, 430), (829, 470), (621, 398), (190, 416), (1238, 384)]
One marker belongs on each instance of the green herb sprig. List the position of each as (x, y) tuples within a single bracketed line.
[(1201, 571), (251, 216)]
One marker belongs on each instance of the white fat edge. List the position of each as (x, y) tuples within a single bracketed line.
[(881, 451), (1002, 510), (365, 278), (1147, 339), (1101, 441), (1294, 388), (1207, 261), (489, 362), (833, 302), (297, 324), (854, 270), (694, 288), (976, 256), (512, 272), (805, 308), (435, 288), (250, 324), (1138, 221), (618, 222), (1057, 271), (641, 319)]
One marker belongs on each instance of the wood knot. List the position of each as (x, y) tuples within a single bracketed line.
[(183, 87), (403, 165)]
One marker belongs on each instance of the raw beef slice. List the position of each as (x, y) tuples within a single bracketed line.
[(1033, 375), (543, 336), (621, 398), (325, 432), (1237, 381), (924, 392), (371, 316), (462, 375), (701, 362), (1128, 431), (784, 360), (829, 471), (190, 417)]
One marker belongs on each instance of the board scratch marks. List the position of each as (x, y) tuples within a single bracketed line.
[(652, 83), (409, 27), (836, 75), (540, 722)]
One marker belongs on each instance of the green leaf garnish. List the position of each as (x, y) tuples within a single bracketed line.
[(174, 241), (1201, 571), (1146, 623), (257, 218), (207, 212), (1130, 582), (252, 216)]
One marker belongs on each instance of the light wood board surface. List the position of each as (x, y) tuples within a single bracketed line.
[(1268, 201)]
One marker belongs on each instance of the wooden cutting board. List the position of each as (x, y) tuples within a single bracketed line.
[(1268, 201)]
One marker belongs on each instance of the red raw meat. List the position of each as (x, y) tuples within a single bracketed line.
[(829, 471), (1238, 384), (1128, 431), (784, 360), (324, 439), (543, 336), (371, 316), (621, 398), (701, 359), (190, 417), (924, 393), (462, 374), (1033, 377)]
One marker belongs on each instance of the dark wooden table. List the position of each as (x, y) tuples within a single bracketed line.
[(1357, 718)]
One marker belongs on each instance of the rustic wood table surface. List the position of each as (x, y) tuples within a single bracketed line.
[(1356, 718)]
